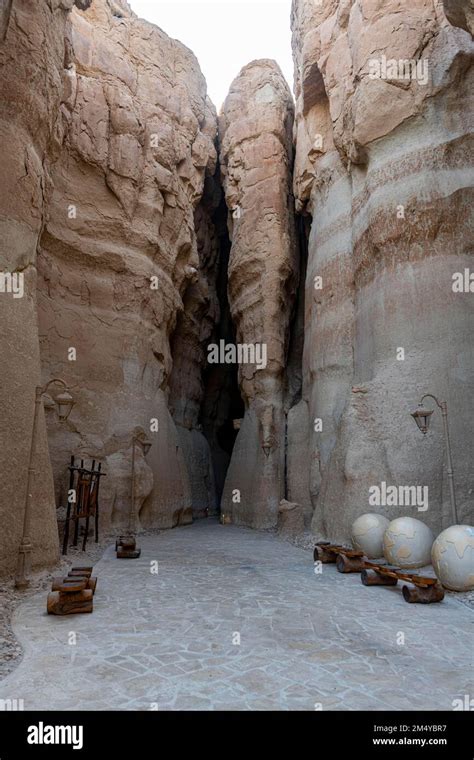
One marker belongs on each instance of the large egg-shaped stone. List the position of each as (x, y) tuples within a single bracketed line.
[(452, 556), (407, 543), (367, 534)]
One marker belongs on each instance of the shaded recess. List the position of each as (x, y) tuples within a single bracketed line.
[(205, 398), (294, 366), (222, 402)]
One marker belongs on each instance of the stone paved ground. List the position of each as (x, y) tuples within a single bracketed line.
[(166, 641)]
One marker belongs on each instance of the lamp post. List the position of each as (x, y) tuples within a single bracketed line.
[(422, 418), (64, 402)]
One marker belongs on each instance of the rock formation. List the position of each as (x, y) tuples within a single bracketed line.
[(316, 256), (460, 13), (194, 328), (31, 61), (119, 258), (109, 137), (290, 519), (256, 159), (381, 166)]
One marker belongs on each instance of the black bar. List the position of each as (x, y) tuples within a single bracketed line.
[(91, 486), (68, 509), (337, 734), (97, 505)]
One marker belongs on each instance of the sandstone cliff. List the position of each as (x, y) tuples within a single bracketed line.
[(108, 138), (382, 167), (136, 144), (139, 250), (256, 157), (31, 62)]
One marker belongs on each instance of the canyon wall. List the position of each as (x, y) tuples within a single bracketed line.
[(384, 169), (140, 251), (32, 47), (127, 262), (106, 208), (256, 153)]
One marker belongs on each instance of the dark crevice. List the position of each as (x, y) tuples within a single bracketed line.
[(294, 362), (211, 404), (294, 365), (205, 398), (222, 403)]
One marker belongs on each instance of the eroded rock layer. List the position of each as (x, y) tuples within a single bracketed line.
[(31, 65), (120, 262), (384, 167), (130, 256), (256, 158), (107, 209)]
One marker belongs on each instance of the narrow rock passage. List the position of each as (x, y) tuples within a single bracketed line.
[(307, 641)]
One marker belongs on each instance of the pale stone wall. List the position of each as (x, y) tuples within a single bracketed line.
[(31, 64), (111, 208), (387, 272), (137, 143), (256, 159)]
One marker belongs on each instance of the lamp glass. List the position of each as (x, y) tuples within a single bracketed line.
[(65, 402), (422, 418)]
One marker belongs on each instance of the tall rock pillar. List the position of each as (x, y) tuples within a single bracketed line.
[(256, 159)]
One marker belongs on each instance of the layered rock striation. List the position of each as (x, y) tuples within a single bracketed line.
[(384, 169), (142, 236), (107, 210), (122, 272)]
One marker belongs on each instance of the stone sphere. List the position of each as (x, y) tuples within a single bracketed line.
[(452, 556), (407, 543), (367, 534)]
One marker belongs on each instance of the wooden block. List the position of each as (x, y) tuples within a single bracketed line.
[(60, 603), (129, 544), (126, 542), (321, 554), (351, 553), (72, 585), (346, 564), (58, 582), (91, 583), (373, 578), (419, 595), (80, 571), (128, 553)]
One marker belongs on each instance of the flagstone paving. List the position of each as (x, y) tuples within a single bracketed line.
[(237, 619)]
